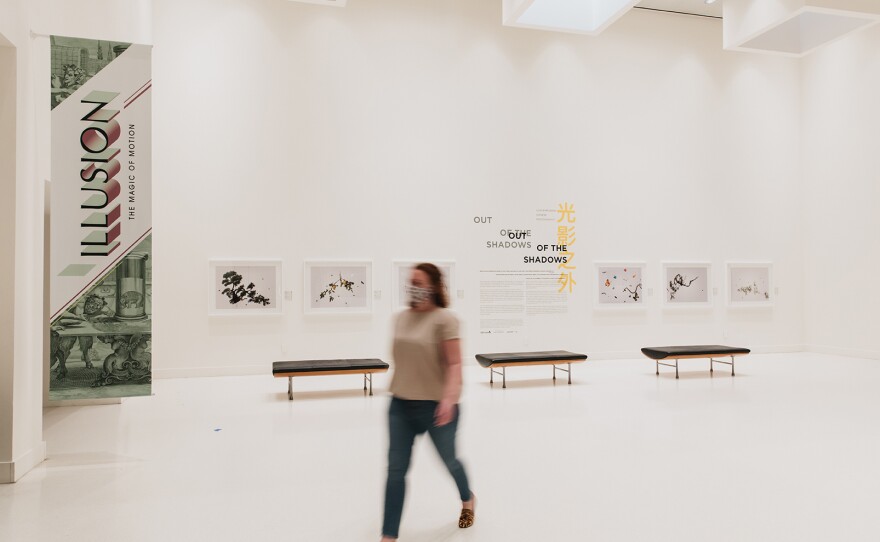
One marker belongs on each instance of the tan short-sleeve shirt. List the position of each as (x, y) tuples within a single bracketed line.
[(419, 363)]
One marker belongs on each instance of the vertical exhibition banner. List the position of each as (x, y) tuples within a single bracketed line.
[(100, 308)]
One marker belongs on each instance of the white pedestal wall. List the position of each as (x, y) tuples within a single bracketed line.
[(24, 25), (842, 248)]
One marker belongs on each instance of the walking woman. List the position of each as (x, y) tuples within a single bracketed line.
[(425, 389)]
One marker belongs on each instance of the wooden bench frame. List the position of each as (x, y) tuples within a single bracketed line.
[(712, 361), (368, 377), (554, 362)]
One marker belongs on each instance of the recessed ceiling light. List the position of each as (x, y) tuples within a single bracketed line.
[(710, 1), (579, 16)]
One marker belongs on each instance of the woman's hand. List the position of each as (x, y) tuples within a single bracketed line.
[(445, 413)]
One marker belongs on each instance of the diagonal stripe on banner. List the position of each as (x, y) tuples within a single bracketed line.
[(138, 90), (138, 96)]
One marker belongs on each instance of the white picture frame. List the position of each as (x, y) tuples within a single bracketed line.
[(338, 287), (619, 284), (400, 270), (687, 284), (244, 287), (750, 284)]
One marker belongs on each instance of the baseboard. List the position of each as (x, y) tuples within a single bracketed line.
[(778, 349), (13, 471), (84, 402), (838, 351), (201, 372)]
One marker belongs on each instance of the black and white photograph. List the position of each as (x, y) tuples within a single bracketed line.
[(749, 284), (245, 287), (687, 284), (338, 287)]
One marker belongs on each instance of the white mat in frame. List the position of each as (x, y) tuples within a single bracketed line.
[(619, 284), (241, 287), (338, 286), (750, 284), (687, 284)]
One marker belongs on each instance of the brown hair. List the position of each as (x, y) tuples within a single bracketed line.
[(436, 278)]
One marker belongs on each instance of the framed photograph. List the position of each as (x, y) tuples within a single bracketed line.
[(620, 284), (400, 273), (338, 287), (687, 284), (245, 287), (750, 284)]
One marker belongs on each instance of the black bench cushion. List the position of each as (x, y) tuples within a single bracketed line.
[(487, 360), (316, 365), (663, 352)]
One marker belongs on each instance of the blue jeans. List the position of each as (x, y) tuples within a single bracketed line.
[(406, 420)]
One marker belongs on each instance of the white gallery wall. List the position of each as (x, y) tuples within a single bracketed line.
[(841, 115), (8, 95), (21, 438), (379, 131)]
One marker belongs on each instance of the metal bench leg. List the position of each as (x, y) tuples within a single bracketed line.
[(657, 367), (676, 368), (732, 369), (711, 366), (290, 388), (554, 373), (365, 381), (504, 377), (491, 376), (569, 374)]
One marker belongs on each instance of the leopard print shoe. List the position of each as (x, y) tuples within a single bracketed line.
[(466, 519)]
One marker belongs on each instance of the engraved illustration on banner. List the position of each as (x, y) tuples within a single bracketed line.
[(76, 60), (104, 338), (100, 293), (565, 236)]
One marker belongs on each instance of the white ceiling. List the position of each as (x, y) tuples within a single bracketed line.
[(696, 7)]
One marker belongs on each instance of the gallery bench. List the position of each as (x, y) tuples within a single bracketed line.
[(327, 367), (521, 359), (666, 353)]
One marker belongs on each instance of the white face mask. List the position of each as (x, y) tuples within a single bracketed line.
[(418, 295)]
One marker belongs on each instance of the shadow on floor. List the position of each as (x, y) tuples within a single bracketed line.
[(534, 383), (324, 394)]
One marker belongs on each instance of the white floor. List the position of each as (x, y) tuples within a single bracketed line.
[(789, 449)]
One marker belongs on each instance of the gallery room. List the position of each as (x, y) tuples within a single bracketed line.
[(439, 270)]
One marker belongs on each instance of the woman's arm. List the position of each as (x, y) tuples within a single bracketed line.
[(452, 390)]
